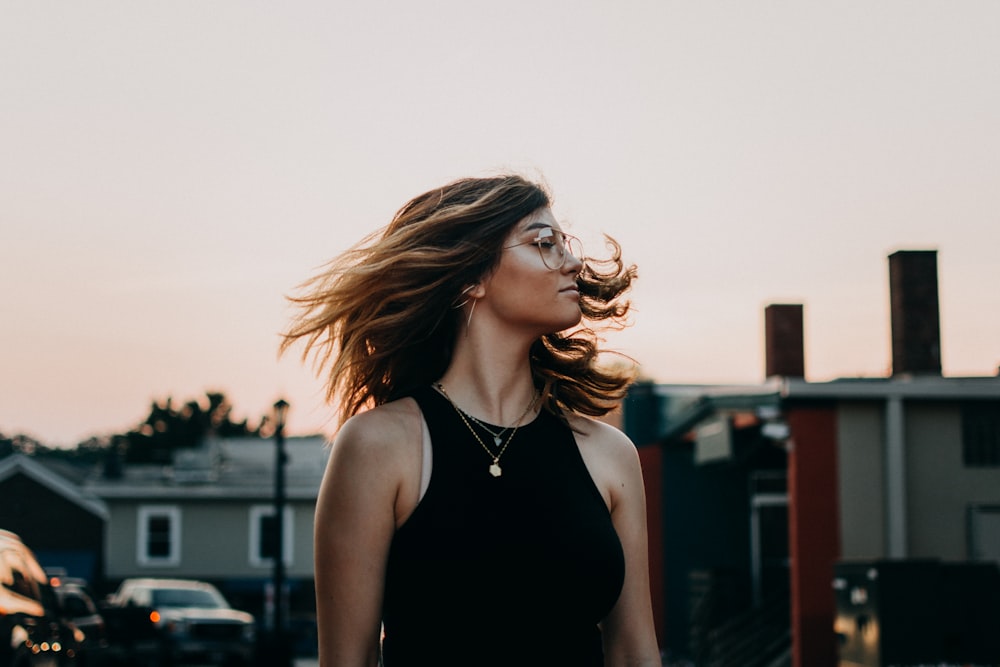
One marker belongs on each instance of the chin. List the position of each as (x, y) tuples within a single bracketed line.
[(570, 321)]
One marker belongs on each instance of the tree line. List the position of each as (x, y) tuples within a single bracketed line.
[(165, 429)]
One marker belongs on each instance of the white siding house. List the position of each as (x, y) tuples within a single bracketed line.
[(210, 515)]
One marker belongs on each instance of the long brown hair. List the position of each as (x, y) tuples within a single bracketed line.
[(382, 317)]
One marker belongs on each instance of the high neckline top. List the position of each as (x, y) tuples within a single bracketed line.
[(510, 570)]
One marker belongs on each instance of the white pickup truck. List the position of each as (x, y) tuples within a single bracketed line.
[(190, 620)]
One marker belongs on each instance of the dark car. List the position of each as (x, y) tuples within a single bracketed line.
[(192, 621), (77, 606), (32, 630)]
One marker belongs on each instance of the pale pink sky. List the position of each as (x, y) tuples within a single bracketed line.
[(168, 171)]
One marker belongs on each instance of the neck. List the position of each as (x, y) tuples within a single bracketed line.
[(490, 376)]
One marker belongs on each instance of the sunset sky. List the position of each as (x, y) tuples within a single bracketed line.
[(169, 171)]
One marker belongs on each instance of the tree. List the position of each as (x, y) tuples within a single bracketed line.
[(166, 430), (24, 444), (154, 440)]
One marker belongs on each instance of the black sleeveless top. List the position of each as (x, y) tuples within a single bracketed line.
[(510, 570)]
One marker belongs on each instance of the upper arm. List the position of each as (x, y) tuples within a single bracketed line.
[(354, 525), (628, 630)]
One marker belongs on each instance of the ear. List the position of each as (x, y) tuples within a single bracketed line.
[(475, 290)]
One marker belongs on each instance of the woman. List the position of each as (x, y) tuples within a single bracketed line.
[(471, 512)]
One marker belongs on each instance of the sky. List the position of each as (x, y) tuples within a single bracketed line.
[(170, 171)]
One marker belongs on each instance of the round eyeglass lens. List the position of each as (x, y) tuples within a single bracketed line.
[(554, 255)]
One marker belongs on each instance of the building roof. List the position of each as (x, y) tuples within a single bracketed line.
[(19, 463), (923, 387), (231, 468), (681, 407)]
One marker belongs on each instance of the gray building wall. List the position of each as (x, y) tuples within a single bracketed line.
[(939, 487), (214, 539), (860, 453)]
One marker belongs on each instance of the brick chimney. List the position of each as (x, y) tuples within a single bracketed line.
[(913, 304), (784, 352)]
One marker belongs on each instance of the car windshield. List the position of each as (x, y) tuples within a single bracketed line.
[(77, 605), (186, 597)]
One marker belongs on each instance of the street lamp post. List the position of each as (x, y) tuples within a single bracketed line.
[(281, 652)]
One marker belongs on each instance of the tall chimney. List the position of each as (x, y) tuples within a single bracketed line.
[(913, 303), (784, 352)]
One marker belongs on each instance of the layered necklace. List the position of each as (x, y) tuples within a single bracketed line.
[(498, 440)]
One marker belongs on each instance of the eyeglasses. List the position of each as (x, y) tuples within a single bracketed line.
[(554, 246)]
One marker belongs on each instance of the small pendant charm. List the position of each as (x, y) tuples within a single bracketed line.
[(497, 440), (495, 469)]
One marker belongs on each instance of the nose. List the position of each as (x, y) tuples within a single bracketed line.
[(573, 264)]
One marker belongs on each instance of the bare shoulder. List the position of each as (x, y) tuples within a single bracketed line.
[(374, 464), (605, 439), (381, 438), (382, 426), (610, 457)]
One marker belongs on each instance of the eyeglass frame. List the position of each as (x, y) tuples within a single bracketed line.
[(551, 233)]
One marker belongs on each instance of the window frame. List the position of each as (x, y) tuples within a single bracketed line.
[(258, 512), (980, 433), (147, 512), (975, 513)]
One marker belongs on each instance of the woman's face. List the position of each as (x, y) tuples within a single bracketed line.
[(523, 291)]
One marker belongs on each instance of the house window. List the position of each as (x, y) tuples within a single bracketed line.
[(263, 529), (159, 541), (981, 433), (984, 532)]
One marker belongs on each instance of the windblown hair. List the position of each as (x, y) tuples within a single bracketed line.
[(382, 317)]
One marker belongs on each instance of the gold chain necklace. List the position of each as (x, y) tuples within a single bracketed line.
[(495, 469), (497, 435)]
